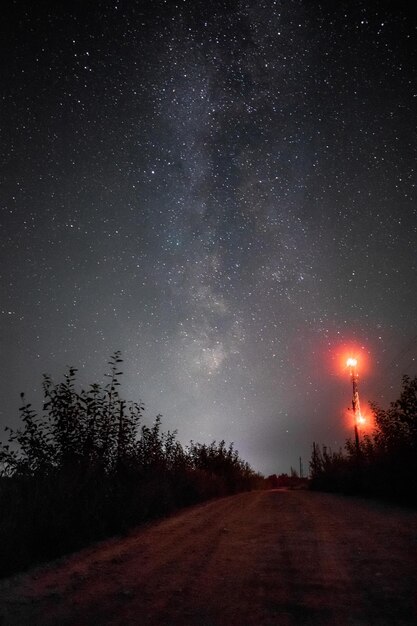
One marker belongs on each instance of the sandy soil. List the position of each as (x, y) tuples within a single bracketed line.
[(263, 558)]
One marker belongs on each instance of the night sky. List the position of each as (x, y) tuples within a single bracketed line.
[(225, 192)]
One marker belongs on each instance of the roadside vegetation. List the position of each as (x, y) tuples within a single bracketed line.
[(385, 462), (285, 481), (89, 468)]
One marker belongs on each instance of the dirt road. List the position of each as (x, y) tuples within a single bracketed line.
[(262, 558)]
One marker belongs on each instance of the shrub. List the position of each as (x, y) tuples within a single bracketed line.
[(385, 463), (88, 468)]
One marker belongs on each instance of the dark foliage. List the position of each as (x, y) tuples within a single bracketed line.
[(284, 481), (385, 463), (88, 468)]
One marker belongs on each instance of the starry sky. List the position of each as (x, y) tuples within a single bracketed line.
[(225, 191)]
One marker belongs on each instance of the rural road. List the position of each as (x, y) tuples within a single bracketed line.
[(254, 559)]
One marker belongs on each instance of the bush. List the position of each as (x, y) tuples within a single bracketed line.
[(87, 468), (385, 463)]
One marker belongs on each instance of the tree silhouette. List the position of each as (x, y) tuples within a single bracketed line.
[(88, 467), (386, 464)]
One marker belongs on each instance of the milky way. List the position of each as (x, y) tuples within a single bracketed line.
[(224, 191)]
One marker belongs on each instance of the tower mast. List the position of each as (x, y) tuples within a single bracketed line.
[(356, 408)]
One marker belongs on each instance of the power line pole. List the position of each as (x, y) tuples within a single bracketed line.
[(356, 408)]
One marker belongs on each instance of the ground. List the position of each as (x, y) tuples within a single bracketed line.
[(255, 559)]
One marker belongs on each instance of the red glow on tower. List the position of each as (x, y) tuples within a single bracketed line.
[(359, 419)]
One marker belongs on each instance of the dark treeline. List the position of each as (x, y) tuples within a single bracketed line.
[(285, 481), (385, 463), (89, 468)]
